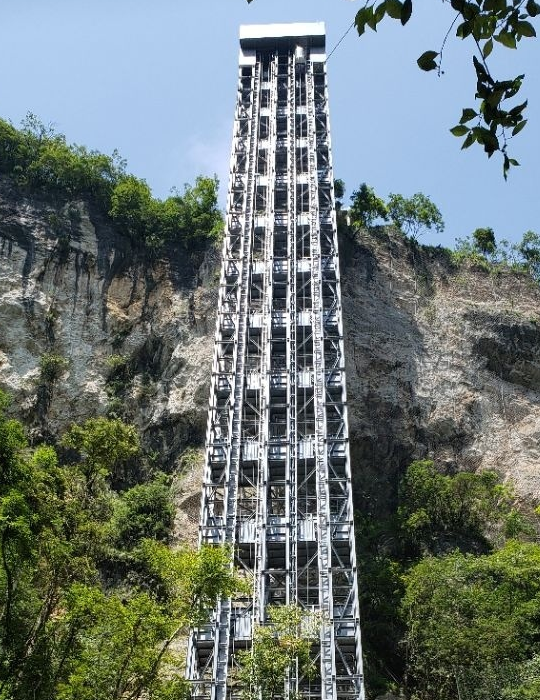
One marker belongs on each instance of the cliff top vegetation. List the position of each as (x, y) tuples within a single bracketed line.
[(417, 215), (39, 160)]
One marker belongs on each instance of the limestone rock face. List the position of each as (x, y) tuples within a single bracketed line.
[(443, 361), (134, 335)]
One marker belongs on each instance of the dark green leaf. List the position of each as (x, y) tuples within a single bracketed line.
[(393, 8), (506, 166), (506, 39), (406, 11), (371, 19), (533, 8), (494, 6), (379, 14), (480, 70), (361, 19), (518, 127), (471, 138), (488, 48), (427, 60), (516, 111), (525, 29), (495, 97), (459, 130), (464, 29), (467, 115)]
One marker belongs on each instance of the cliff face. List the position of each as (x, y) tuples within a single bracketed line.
[(132, 335), (442, 361)]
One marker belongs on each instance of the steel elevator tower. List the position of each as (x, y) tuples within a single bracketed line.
[(277, 482)]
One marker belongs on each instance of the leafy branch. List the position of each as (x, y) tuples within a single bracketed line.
[(487, 22)]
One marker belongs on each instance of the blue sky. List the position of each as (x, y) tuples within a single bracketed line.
[(157, 79)]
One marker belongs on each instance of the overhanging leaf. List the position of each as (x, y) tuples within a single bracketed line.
[(394, 8), (427, 60), (467, 115), (519, 127), (406, 11), (459, 130), (506, 39), (532, 8), (471, 138), (525, 29), (488, 48)]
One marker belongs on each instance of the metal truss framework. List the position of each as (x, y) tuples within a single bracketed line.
[(277, 483)]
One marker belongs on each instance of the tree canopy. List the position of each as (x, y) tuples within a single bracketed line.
[(69, 630), (39, 160)]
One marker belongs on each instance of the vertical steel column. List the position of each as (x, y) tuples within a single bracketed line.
[(292, 558), (323, 510)]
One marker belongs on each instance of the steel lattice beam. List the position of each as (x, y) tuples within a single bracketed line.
[(277, 483)]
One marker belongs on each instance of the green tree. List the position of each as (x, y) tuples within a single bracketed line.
[(145, 511), (484, 240), (529, 249), (201, 218), (278, 647), (414, 214), (435, 514), (467, 612), (366, 207), (131, 206), (105, 446), (435, 508), (66, 632)]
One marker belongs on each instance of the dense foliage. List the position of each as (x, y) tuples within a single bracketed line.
[(412, 215), (449, 593), (68, 631), (466, 615), (482, 250), (39, 160), (278, 647)]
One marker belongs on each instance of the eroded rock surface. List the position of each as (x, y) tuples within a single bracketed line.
[(442, 361)]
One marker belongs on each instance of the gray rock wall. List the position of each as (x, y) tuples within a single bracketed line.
[(443, 362)]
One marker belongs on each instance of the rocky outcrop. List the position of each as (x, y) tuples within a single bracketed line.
[(130, 335), (443, 361)]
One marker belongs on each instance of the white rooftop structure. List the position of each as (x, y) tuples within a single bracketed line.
[(257, 35)]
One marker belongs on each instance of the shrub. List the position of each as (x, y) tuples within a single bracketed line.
[(145, 511), (51, 367)]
